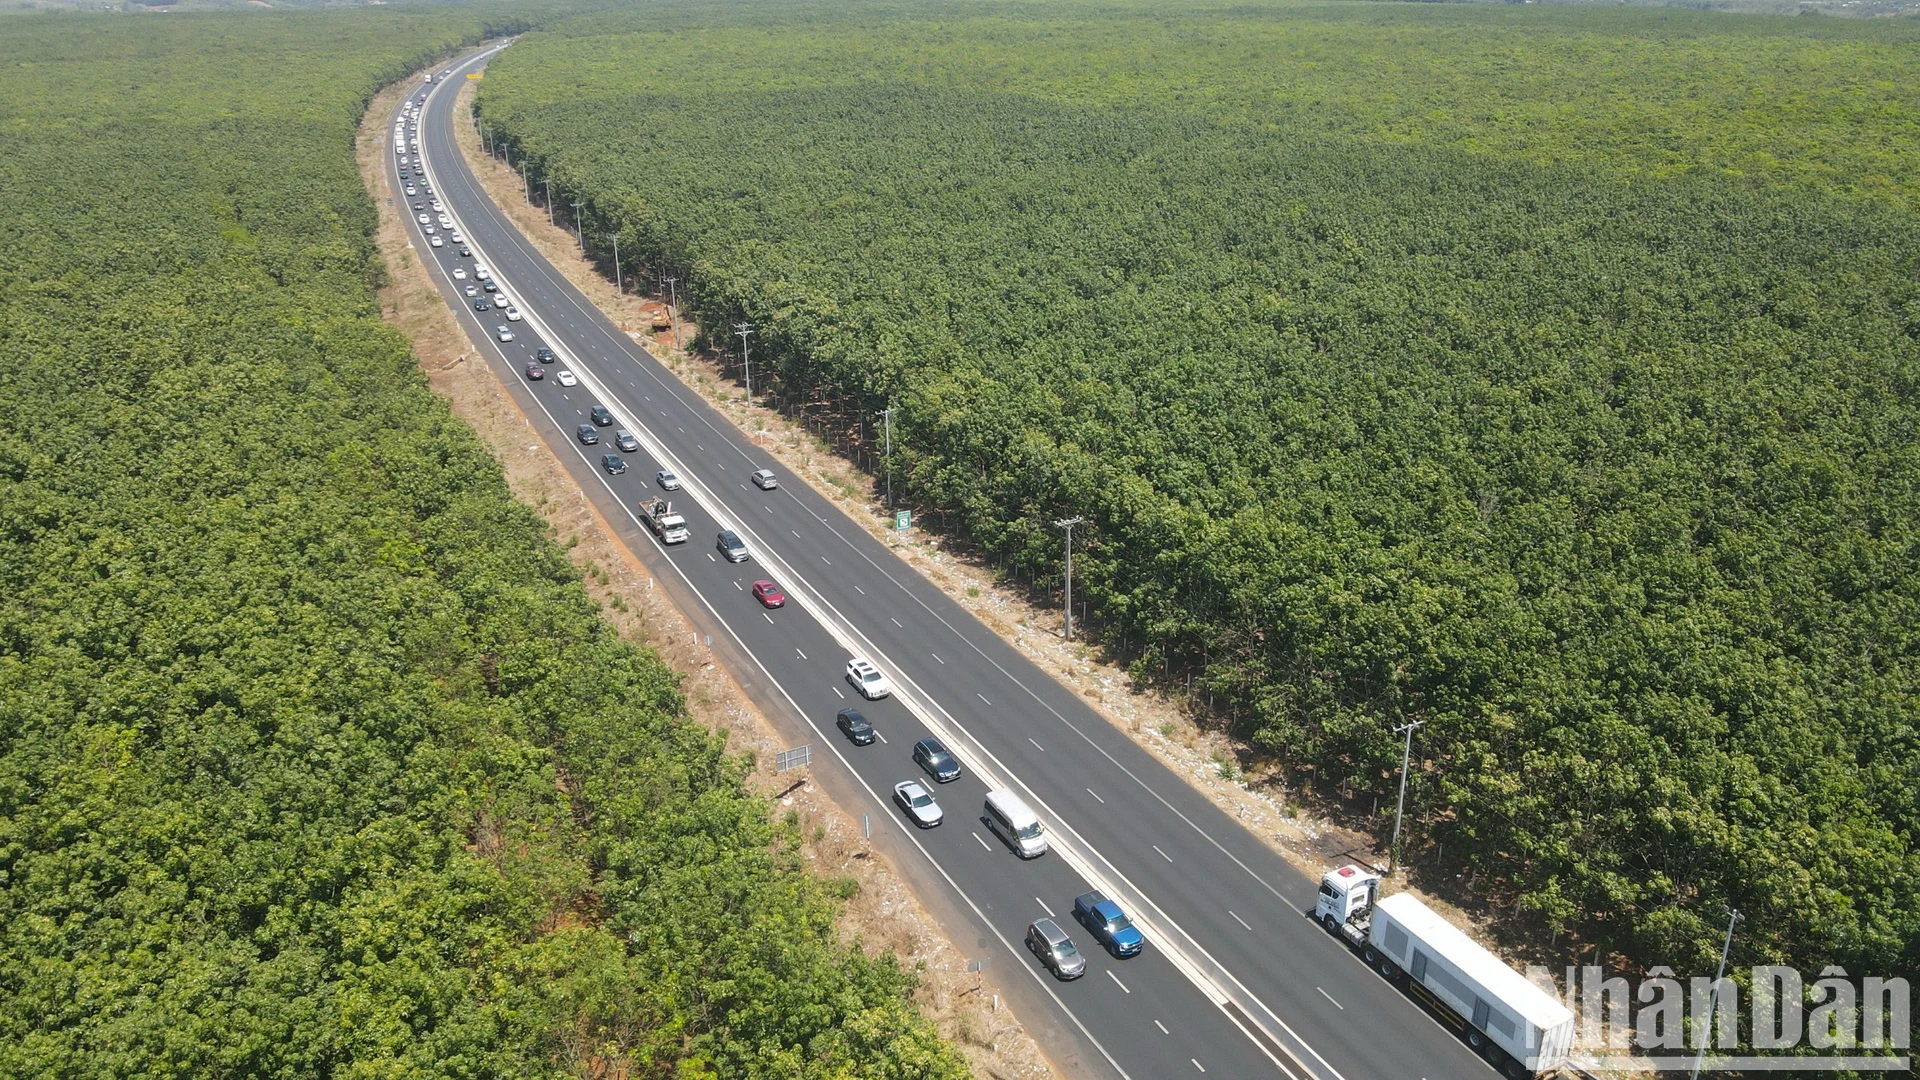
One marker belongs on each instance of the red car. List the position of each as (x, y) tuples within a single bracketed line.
[(769, 594)]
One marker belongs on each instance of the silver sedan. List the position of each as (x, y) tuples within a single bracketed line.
[(918, 802)]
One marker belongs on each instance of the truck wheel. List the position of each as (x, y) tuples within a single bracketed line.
[(1476, 1039), (1516, 1070), (1369, 956), (1332, 924), (1387, 970)]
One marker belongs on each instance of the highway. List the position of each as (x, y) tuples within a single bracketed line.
[(1234, 981)]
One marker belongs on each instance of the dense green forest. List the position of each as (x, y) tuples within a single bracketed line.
[(1547, 375), (315, 760)]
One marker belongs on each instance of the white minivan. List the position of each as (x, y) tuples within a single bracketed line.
[(1016, 824)]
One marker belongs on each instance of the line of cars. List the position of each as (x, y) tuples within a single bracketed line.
[(1004, 813), (485, 295)]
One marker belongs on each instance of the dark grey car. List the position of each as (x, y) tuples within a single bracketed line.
[(586, 434), (1055, 949), (600, 416), (856, 727), (613, 463), (933, 756), (625, 441)]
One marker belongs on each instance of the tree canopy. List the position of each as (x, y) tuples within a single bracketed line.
[(1545, 374), (315, 760)]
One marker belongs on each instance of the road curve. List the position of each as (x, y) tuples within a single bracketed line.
[(1235, 981)]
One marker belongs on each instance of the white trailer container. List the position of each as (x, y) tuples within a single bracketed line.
[(1522, 1029)]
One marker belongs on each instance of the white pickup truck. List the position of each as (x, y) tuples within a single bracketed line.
[(664, 520)]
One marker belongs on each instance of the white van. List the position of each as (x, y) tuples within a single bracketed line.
[(1016, 824)]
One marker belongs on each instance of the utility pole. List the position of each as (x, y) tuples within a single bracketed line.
[(1406, 757), (486, 139), (1713, 996), (673, 310), (886, 416), (1068, 525), (744, 329), (578, 236), (617, 286), (523, 179), (548, 181)]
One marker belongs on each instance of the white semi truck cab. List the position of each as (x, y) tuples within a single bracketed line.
[(1521, 1029)]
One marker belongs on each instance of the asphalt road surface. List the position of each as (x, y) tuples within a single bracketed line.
[(1235, 979)]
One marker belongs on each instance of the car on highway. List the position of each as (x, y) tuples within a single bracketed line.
[(459, 274), (1055, 949), (411, 191), (855, 726), (667, 479), (503, 333), (587, 434), (437, 241), (481, 272), (501, 300), (765, 480), (428, 229), (465, 251), (471, 290), (1107, 923), (932, 755), (422, 218), (1013, 821), (513, 314), (613, 463), (769, 594), (489, 286), (600, 416), (918, 802), (437, 208), (458, 239), (732, 548), (544, 355), (625, 441), (535, 371), (867, 679), (479, 305), (566, 378)]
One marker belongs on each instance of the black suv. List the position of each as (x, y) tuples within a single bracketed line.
[(600, 416), (586, 434), (855, 726), (935, 758)]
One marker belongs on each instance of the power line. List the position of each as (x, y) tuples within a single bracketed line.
[(1406, 756), (673, 310), (1068, 525), (744, 329)]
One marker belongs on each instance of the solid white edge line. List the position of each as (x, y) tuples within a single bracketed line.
[(829, 743)]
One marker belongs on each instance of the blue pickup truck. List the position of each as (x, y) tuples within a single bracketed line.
[(1108, 924)]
